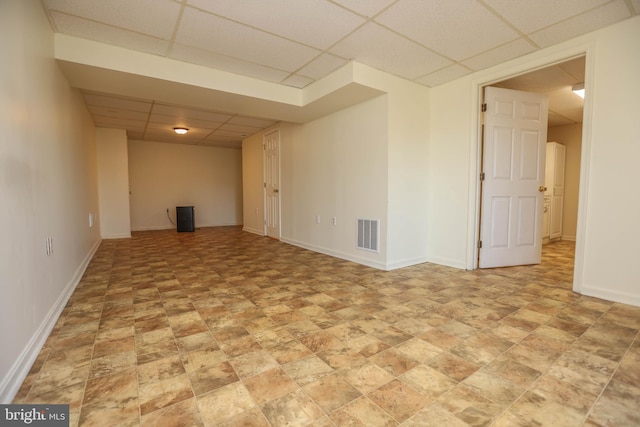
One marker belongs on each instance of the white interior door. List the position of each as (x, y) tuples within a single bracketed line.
[(515, 134), (272, 183)]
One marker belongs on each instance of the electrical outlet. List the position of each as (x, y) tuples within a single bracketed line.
[(334, 221)]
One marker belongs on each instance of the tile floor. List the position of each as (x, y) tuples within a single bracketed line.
[(221, 327)]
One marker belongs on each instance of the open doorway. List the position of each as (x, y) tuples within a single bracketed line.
[(565, 128)]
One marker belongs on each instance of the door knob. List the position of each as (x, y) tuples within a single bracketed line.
[(542, 189)]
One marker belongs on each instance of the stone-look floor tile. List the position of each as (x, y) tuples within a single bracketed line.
[(184, 413), (251, 418), (493, 387), (434, 415), (440, 339), (366, 376), (362, 412), (113, 398), (224, 403), (253, 363), (394, 361), (270, 385), (341, 358), (159, 394), (210, 378), (428, 381), (618, 406), (453, 366), (399, 400), (538, 410), (481, 348), (221, 327), (471, 407), (331, 392), (564, 392), (419, 350), (289, 352), (307, 370), (112, 363), (200, 359), (628, 371), (512, 370), (292, 409)]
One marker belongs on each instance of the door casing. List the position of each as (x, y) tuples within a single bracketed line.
[(550, 56)]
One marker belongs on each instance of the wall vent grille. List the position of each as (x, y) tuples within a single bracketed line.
[(367, 235)]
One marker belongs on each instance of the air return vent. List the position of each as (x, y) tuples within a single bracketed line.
[(367, 234)]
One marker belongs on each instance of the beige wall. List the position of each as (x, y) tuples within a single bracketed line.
[(113, 183), (336, 167), (164, 176), (48, 188), (571, 137)]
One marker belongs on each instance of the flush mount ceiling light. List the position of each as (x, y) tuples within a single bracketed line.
[(180, 131), (578, 89)]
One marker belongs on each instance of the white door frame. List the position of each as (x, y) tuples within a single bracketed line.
[(504, 72)]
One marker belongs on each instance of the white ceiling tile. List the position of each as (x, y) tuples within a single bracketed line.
[(189, 113), (529, 16), (222, 142), (242, 129), (116, 102), (118, 113), (322, 65), (135, 135), (582, 24), (546, 79), (226, 63), (389, 52), (297, 80), (178, 121), (500, 54), (458, 29), (575, 68), (316, 23), (210, 32), (444, 75), (367, 8), (251, 121), (156, 18), (96, 31), (119, 122), (555, 119)]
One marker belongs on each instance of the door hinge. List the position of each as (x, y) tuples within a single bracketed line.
[(264, 184), (483, 107), (481, 176), (479, 244)]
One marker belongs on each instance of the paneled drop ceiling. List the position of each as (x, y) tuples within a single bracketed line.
[(296, 42)]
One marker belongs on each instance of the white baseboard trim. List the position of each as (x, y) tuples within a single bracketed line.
[(607, 294), (10, 384), (336, 254), (448, 262), (170, 227), (405, 263), (253, 230), (117, 236)]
